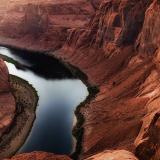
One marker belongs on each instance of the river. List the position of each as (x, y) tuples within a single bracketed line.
[(59, 95)]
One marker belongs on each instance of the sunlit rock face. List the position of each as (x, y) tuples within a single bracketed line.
[(7, 102), (119, 52), (116, 22)]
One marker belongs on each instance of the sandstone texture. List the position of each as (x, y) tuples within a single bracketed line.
[(119, 52), (42, 24), (39, 156), (118, 49), (113, 155), (7, 101)]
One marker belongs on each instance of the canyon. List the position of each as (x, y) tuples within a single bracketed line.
[(115, 43), (48, 21)]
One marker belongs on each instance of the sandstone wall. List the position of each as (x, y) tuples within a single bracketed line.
[(42, 25), (119, 52)]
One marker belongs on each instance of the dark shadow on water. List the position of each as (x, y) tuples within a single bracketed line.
[(60, 91), (44, 65)]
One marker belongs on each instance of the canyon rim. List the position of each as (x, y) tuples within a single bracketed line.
[(115, 44)]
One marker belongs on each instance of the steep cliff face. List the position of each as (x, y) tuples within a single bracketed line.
[(7, 102), (113, 155), (119, 52), (149, 38), (42, 25)]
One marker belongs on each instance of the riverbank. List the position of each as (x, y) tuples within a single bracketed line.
[(78, 129), (76, 73), (26, 103)]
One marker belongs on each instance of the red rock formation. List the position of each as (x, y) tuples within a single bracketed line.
[(41, 25), (149, 38), (7, 102), (113, 155), (39, 156), (119, 52)]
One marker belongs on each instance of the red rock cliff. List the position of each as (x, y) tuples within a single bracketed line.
[(7, 102), (40, 156), (119, 52), (42, 25)]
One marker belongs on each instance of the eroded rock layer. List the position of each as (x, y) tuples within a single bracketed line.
[(39, 156), (108, 154), (42, 25), (119, 51)]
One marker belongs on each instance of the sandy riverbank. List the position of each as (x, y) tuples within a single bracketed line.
[(26, 100)]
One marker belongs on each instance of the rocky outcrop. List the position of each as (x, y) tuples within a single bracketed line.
[(149, 39), (119, 52), (7, 102), (113, 155), (39, 156)]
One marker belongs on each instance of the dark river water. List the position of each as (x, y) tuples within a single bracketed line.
[(59, 94)]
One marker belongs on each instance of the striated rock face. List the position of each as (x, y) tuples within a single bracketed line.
[(113, 155), (42, 25), (116, 22), (149, 38), (108, 155), (39, 156), (7, 102), (119, 51)]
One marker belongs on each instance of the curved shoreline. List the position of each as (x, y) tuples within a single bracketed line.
[(78, 129), (16, 135), (93, 90)]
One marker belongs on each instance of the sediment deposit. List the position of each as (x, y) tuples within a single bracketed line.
[(26, 102)]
